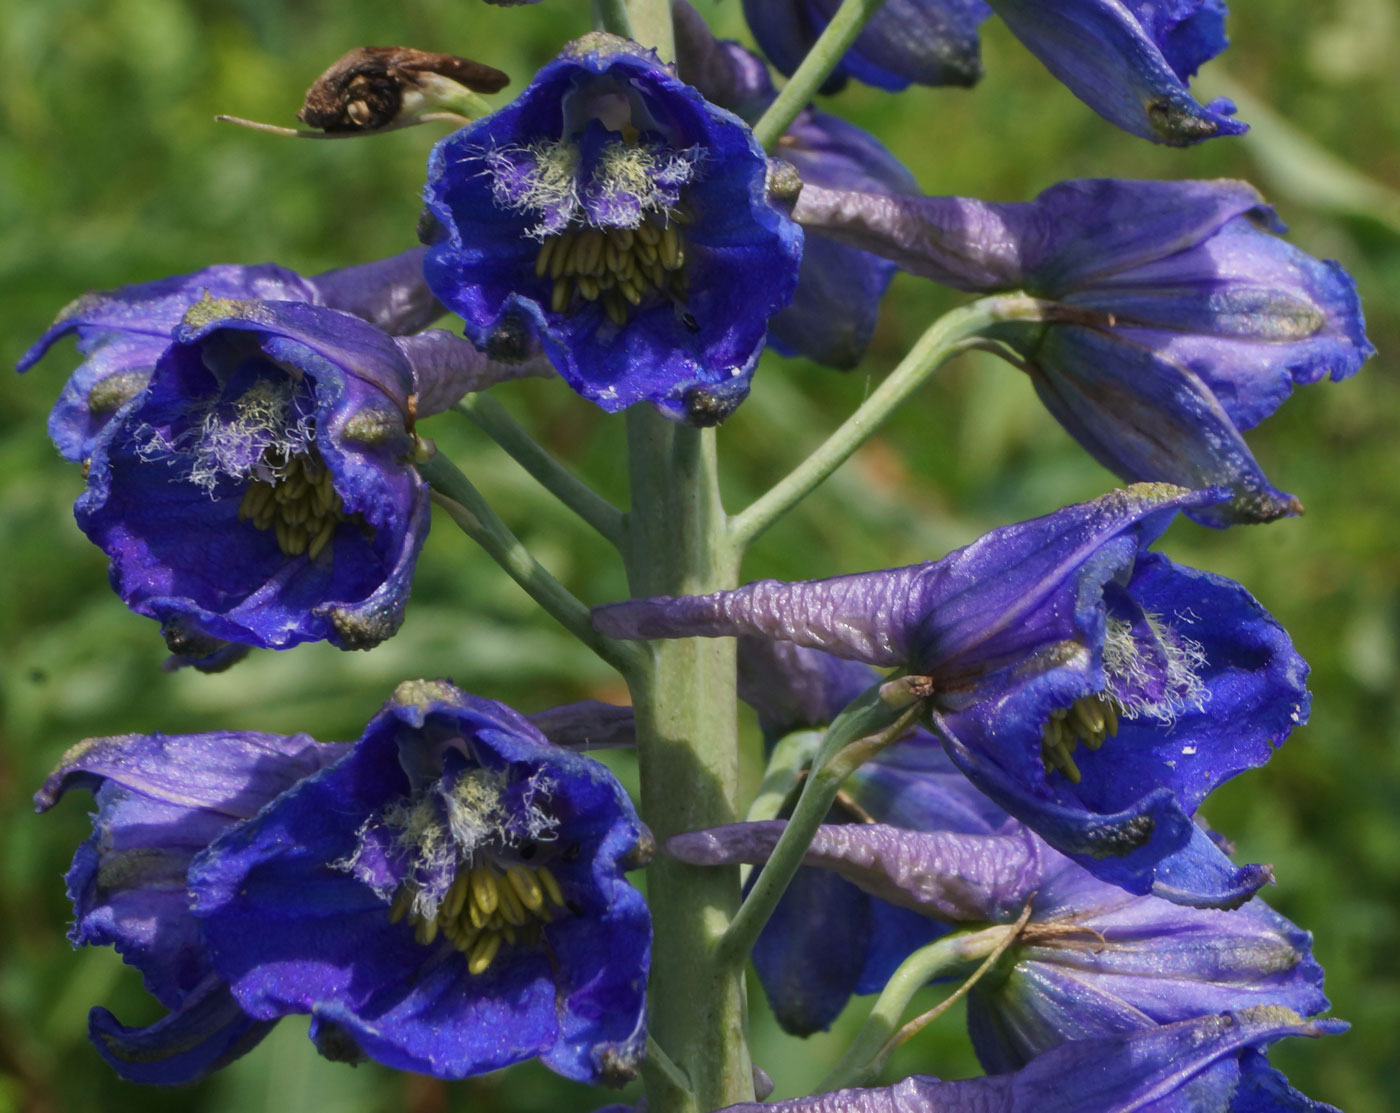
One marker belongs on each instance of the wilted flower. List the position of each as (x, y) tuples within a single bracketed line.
[(1177, 320), (447, 899), (122, 333), (1050, 634), (626, 220), (160, 800)]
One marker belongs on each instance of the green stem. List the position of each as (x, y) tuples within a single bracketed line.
[(687, 747), (611, 15), (495, 421), (943, 339), (651, 26), (952, 954), (858, 733), (844, 28), (454, 492)]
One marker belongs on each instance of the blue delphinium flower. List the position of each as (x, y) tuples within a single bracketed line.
[(832, 314), (923, 42), (160, 800), (1050, 634), (1179, 318), (923, 846), (448, 899), (1212, 1064), (122, 333), (260, 490), (626, 221), (1130, 60)]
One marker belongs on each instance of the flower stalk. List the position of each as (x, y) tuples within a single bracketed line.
[(688, 751)]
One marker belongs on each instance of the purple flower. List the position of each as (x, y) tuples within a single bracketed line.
[(1178, 317), (1212, 1064), (1094, 690), (260, 490), (122, 333), (923, 42), (832, 315), (1130, 60), (447, 899), (625, 220), (160, 800)]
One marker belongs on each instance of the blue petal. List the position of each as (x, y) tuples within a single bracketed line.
[(207, 1032), (1126, 64), (924, 42)]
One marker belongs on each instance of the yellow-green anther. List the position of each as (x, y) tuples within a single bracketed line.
[(551, 885), (483, 953), (526, 887), (403, 899), (485, 892)]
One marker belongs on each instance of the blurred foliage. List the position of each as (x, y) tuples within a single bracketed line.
[(112, 171)]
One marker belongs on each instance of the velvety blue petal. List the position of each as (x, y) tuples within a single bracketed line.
[(742, 254), (180, 552), (915, 784), (1147, 417), (925, 42), (723, 72), (207, 1032), (1264, 1090), (810, 954), (1189, 33), (1125, 68), (896, 934), (161, 799), (295, 904)]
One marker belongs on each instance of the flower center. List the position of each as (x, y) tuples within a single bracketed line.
[(1091, 720), (484, 909), (617, 266), (298, 502)]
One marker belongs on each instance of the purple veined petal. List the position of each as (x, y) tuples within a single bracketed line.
[(1129, 61), (588, 725), (950, 877), (1196, 1066), (446, 367), (391, 293), (724, 72), (792, 687), (972, 604), (955, 241)]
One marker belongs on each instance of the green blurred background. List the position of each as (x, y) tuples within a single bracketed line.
[(112, 171)]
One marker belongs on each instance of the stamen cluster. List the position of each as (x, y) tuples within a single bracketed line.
[(299, 503)]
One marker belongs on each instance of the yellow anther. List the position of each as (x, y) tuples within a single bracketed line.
[(511, 910), (1085, 718), (615, 308), (256, 498), (648, 233), (479, 918), (508, 934), (466, 940), (563, 249), (551, 885), (631, 290), (322, 539), (647, 252), (672, 255), (486, 893), (456, 898), (403, 900), (622, 237), (426, 931), (1110, 718), (542, 259), (526, 887), (588, 287), (562, 295), (483, 953)]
